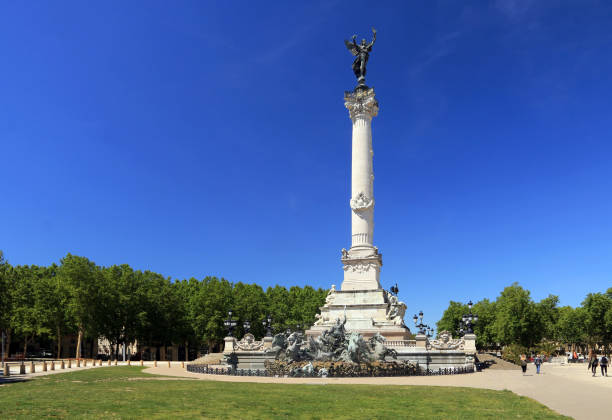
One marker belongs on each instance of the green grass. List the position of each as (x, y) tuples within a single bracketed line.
[(113, 393)]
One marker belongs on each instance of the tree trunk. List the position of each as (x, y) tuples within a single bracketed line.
[(25, 347), (186, 351), (59, 343), (8, 342), (79, 343)]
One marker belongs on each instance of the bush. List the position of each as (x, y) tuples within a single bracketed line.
[(512, 353)]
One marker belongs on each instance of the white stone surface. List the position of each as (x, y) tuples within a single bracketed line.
[(361, 301), (362, 261)]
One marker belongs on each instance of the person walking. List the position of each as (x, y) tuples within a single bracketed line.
[(524, 363), (593, 362), (604, 365), (537, 362)]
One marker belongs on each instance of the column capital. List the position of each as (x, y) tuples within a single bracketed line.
[(361, 103)]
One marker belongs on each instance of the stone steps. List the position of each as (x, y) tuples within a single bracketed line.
[(210, 359), (496, 363)]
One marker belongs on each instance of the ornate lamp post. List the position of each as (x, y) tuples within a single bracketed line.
[(229, 323), (420, 324), (267, 324), (468, 321), (394, 289), (429, 332), (246, 325)]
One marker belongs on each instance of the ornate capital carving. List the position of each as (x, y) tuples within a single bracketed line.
[(361, 104)]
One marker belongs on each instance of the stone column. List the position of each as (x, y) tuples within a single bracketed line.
[(362, 261)]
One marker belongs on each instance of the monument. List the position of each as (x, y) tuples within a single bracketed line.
[(360, 329), (361, 301)]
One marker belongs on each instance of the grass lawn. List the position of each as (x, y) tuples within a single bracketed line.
[(115, 392)]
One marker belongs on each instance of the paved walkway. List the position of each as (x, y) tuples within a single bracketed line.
[(567, 389)]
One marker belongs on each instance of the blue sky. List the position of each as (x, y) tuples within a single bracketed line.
[(210, 138)]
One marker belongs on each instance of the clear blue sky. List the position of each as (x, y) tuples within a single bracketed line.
[(210, 138)]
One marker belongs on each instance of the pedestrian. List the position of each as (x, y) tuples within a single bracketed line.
[(524, 363), (537, 362), (604, 365), (593, 362)]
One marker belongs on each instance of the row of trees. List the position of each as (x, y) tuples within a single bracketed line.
[(514, 318), (78, 297)]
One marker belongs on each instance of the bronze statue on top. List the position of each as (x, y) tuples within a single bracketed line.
[(361, 53)]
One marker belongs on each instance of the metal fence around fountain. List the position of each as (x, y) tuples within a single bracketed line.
[(205, 369)]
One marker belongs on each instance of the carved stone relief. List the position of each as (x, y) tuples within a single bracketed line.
[(248, 343), (445, 341), (361, 202)]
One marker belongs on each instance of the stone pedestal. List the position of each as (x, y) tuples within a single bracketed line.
[(421, 341), (470, 343), (267, 342), (229, 344)]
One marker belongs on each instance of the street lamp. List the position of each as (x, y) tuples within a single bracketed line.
[(468, 321), (247, 326), (267, 324), (229, 323), (418, 322), (394, 289)]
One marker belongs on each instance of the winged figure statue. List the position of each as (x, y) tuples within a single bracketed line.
[(361, 53)]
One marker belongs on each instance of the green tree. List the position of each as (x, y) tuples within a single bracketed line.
[(30, 310), (249, 304), (517, 319), (5, 299), (570, 327), (55, 298), (548, 312), (123, 294), (209, 309), (451, 318), (82, 279), (278, 305), (597, 306), (485, 327)]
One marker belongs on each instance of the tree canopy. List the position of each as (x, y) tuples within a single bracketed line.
[(515, 319), (123, 305)]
